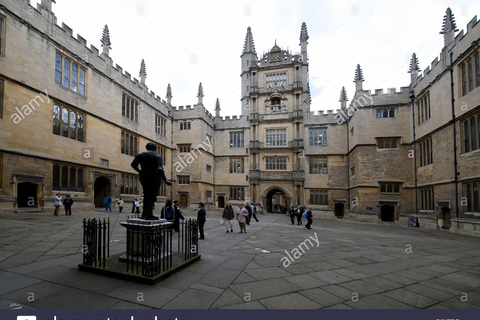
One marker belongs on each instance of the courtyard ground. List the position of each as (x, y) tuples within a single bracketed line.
[(351, 266)]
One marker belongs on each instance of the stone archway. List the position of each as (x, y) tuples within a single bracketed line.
[(279, 194), (102, 188), (387, 213)]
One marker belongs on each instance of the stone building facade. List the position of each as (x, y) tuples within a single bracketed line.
[(71, 122)]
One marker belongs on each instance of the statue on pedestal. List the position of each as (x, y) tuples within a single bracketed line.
[(151, 176)]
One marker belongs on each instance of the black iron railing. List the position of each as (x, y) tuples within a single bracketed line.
[(96, 241)]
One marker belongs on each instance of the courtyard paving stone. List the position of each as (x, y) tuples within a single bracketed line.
[(39, 254)]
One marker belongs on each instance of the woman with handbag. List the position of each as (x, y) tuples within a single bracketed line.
[(228, 216)]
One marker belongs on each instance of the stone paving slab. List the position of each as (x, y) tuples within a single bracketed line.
[(410, 298), (192, 299), (264, 288), (290, 301), (13, 282), (322, 297), (75, 299)]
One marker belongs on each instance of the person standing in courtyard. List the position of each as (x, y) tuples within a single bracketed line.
[(167, 211), (309, 218), (242, 215), (291, 213), (137, 206), (68, 205), (177, 215), (298, 214), (254, 211), (108, 202), (120, 205), (57, 202), (228, 216), (201, 217)]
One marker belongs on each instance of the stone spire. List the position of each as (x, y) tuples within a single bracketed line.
[(358, 79), (217, 108), (414, 67), (169, 95), (106, 41), (143, 72), (449, 27), (304, 41), (249, 45), (343, 98), (200, 94)]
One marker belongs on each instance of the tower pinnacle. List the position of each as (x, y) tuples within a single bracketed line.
[(143, 72), (304, 33), (169, 95), (217, 108), (200, 94), (106, 41), (358, 79), (249, 45), (449, 27), (414, 66), (343, 98)]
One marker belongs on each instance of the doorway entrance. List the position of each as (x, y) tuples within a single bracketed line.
[(102, 189), (387, 213), (221, 201), (183, 200), (275, 200), (339, 210), (446, 216), (27, 195)]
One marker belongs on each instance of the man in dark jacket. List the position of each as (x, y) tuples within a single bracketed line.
[(201, 217), (177, 215), (68, 205), (151, 176)]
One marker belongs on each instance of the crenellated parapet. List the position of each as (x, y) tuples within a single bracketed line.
[(233, 122)]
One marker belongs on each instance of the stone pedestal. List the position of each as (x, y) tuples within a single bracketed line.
[(136, 231)]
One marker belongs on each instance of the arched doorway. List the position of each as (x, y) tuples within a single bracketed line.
[(221, 201), (446, 216), (102, 189), (339, 210), (27, 195), (275, 199), (387, 213)]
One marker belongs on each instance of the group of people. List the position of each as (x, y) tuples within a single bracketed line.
[(171, 212), (67, 203), (244, 216), (299, 213), (108, 201)]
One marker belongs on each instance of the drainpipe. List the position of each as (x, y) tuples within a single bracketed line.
[(455, 162), (348, 166), (412, 101), (171, 154)]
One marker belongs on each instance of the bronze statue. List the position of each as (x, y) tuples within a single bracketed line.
[(151, 176)]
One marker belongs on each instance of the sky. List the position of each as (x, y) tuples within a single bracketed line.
[(188, 42)]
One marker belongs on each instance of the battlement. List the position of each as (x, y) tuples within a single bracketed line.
[(390, 91), (193, 111)]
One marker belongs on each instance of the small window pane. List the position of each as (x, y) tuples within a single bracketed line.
[(58, 67), (56, 119), (74, 77), (65, 114), (391, 113), (73, 176), (73, 125), (64, 186), (56, 178), (80, 180), (81, 130), (81, 88), (66, 73)]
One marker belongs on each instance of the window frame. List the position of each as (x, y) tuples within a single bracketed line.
[(58, 128), (67, 81), (319, 197), (237, 139), (276, 163), (318, 165), (313, 137), (63, 180)]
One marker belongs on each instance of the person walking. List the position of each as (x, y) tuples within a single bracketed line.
[(242, 215), (68, 205), (108, 202), (298, 214), (254, 211), (291, 213), (249, 211), (228, 216), (177, 215), (57, 202), (137, 206), (202, 218), (120, 205), (309, 218)]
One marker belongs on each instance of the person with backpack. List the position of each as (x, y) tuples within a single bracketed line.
[(298, 214), (68, 205), (167, 211), (309, 215)]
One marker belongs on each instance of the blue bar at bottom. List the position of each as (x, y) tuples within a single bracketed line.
[(239, 314)]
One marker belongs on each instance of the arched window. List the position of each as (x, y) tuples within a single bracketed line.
[(65, 114), (466, 136), (64, 186), (66, 73), (56, 178), (473, 133), (73, 177), (80, 180), (81, 131), (74, 76), (475, 197), (81, 87), (56, 119), (58, 68), (73, 125)]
